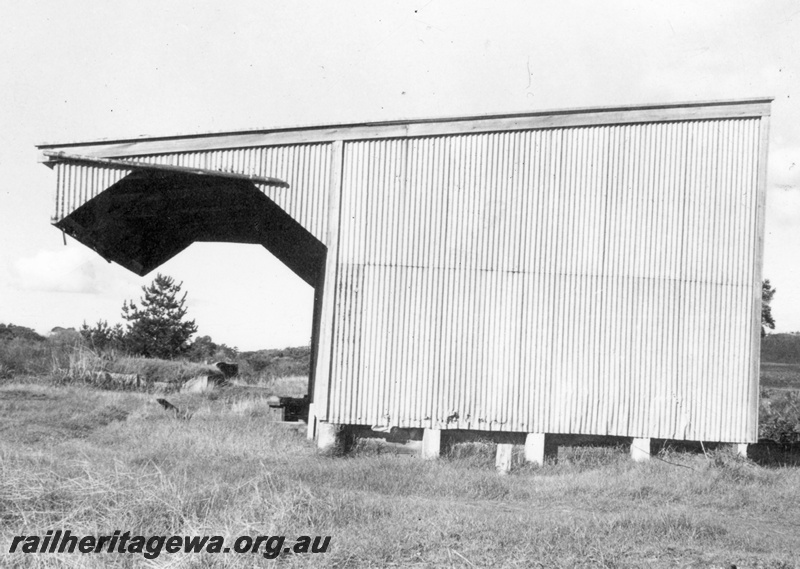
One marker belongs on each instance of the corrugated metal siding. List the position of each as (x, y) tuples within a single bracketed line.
[(578, 280), (305, 167), (77, 184)]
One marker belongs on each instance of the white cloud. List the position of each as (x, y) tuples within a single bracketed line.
[(69, 269)]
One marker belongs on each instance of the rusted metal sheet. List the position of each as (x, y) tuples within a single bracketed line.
[(304, 167), (593, 280)]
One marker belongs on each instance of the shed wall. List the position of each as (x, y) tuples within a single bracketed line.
[(596, 280)]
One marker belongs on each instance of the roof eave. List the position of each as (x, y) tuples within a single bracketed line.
[(696, 110)]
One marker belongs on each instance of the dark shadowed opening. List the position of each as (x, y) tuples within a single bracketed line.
[(150, 216)]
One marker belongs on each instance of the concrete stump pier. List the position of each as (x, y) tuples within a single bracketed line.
[(431, 443), (539, 447), (505, 453), (640, 450)]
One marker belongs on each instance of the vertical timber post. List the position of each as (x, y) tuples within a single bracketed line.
[(315, 348), (312, 423), (324, 353), (640, 450), (741, 450), (431, 443), (757, 276)]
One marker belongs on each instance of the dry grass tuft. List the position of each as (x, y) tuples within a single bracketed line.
[(95, 461), (289, 386)]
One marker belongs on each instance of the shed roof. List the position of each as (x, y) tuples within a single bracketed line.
[(702, 110)]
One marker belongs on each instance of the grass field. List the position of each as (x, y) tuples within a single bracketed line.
[(97, 461), (781, 376)]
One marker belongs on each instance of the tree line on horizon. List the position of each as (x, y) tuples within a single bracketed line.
[(157, 327)]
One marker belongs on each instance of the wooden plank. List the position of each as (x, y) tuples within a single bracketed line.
[(133, 165), (423, 127), (324, 346), (618, 117), (758, 269)]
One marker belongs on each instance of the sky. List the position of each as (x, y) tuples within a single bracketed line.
[(89, 70)]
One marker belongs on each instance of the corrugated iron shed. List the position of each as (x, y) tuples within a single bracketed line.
[(590, 271)]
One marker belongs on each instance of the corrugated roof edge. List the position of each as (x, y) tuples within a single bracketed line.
[(753, 107)]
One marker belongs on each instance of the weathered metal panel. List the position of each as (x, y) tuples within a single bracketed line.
[(586, 271), (77, 184), (590, 280), (305, 167)]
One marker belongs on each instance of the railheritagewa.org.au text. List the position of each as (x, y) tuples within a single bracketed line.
[(152, 547)]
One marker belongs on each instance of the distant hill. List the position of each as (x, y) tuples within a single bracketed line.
[(10, 332), (279, 363), (781, 348), (775, 348)]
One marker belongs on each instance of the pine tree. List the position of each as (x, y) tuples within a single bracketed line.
[(101, 336), (158, 329), (767, 321)]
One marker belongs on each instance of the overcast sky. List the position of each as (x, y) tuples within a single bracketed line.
[(75, 71)]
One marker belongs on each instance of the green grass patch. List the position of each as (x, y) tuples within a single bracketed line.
[(33, 414), (780, 375), (95, 461)]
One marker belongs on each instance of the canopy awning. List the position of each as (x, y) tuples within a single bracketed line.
[(155, 211)]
